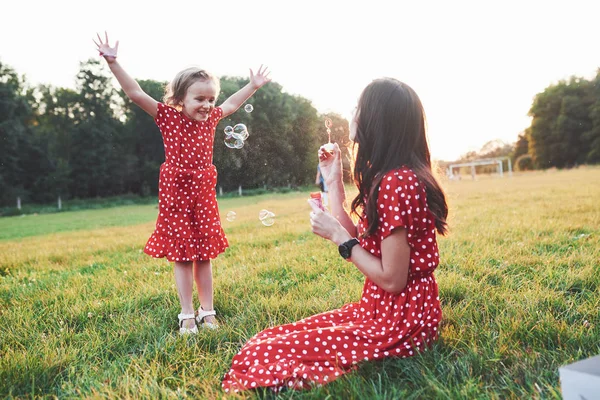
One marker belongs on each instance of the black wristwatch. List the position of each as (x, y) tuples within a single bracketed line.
[(345, 248)]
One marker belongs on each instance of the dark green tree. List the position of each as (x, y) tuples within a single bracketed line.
[(562, 130), (17, 158), (54, 126), (98, 156), (591, 138), (142, 143)]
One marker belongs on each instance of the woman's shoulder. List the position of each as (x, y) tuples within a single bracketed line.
[(402, 181), (400, 175)]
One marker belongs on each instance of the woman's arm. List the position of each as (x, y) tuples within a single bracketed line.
[(129, 85), (234, 101), (390, 272), (331, 170), (337, 200)]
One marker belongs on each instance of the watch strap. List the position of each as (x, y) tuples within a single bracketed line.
[(346, 247)]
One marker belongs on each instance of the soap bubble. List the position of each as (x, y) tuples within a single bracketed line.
[(240, 131), (231, 216), (235, 136), (269, 220), (248, 108), (266, 217), (263, 213), (230, 142), (243, 135), (239, 143), (239, 128)]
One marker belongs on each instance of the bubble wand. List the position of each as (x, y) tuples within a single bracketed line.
[(328, 146)]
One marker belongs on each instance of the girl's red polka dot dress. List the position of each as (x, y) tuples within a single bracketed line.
[(319, 349), (188, 226)]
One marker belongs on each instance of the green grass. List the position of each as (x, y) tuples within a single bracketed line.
[(41, 224), (85, 314), (76, 205), (35, 224)]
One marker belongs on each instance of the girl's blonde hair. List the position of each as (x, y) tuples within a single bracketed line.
[(177, 88)]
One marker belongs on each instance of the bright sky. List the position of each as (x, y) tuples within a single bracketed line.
[(475, 64)]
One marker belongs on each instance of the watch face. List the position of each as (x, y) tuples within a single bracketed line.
[(344, 250)]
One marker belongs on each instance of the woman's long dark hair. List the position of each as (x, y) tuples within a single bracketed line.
[(390, 134)]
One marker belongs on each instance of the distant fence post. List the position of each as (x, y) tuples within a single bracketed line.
[(18, 203), (59, 203), (220, 191), (240, 190)]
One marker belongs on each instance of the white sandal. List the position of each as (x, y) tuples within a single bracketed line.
[(186, 331), (203, 314)]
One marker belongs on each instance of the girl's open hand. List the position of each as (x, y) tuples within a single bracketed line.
[(261, 77), (109, 53)]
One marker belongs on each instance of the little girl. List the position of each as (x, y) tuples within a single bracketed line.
[(188, 230), (401, 206)]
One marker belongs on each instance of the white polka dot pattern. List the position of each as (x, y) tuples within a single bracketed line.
[(402, 202), (319, 349), (188, 227)]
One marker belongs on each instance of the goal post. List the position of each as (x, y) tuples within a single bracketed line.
[(488, 161)]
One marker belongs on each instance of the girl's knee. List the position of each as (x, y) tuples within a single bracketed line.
[(183, 264), (202, 263)]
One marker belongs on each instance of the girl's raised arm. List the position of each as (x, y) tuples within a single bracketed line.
[(257, 80), (129, 85)]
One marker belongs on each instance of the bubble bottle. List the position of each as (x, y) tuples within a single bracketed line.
[(315, 198)]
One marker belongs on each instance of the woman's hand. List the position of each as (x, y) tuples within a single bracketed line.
[(326, 226), (261, 78), (331, 164), (109, 53)]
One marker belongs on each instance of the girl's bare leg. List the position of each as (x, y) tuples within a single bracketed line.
[(185, 287), (204, 285)]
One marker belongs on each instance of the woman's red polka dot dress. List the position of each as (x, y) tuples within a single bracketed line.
[(319, 349), (188, 226)]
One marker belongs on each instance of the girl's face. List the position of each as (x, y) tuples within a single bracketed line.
[(199, 100), (353, 124)]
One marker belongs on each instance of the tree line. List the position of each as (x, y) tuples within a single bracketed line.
[(92, 141)]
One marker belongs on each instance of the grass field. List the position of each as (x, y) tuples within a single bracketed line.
[(84, 313)]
